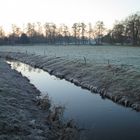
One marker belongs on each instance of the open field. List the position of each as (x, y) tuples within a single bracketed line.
[(118, 55), (112, 71)]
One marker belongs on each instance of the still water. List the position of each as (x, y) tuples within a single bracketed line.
[(103, 119)]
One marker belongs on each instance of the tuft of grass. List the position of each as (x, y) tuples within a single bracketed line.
[(44, 102)]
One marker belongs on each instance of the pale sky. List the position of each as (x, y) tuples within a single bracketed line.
[(65, 11)]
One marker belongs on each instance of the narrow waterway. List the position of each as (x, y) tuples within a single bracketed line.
[(104, 119)]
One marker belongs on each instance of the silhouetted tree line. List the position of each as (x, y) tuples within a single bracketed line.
[(50, 33), (123, 32)]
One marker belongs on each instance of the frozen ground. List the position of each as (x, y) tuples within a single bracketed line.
[(112, 71), (120, 83), (22, 115), (93, 54), (18, 112)]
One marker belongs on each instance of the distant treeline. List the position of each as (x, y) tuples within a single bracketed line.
[(123, 33)]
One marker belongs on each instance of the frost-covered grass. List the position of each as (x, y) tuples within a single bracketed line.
[(118, 55), (119, 83), (24, 115), (112, 71)]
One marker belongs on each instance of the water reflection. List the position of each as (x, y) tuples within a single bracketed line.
[(18, 65), (105, 119)]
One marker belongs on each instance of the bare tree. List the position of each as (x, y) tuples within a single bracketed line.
[(47, 32), (39, 33), (98, 32), (133, 28), (118, 33), (75, 32), (83, 31), (50, 32), (31, 31), (65, 33), (2, 32), (90, 33), (2, 35), (14, 36)]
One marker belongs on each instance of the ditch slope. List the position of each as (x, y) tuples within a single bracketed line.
[(120, 83), (23, 116)]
